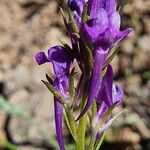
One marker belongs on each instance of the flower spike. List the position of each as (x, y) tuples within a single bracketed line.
[(94, 30)]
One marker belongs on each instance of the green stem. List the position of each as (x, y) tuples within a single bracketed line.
[(81, 134), (71, 123), (80, 145), (92, 141)]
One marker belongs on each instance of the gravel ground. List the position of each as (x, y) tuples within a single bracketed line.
[(27, 26)]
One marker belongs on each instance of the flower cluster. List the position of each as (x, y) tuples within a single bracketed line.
[(94, 30)]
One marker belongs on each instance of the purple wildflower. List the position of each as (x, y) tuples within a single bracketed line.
[(76, 7), (94, 29), (103, 26), (102, 31), (108, 96), (109, 93), (61, 58)]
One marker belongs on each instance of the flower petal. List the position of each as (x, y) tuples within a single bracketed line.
[(122, 34), (110, 6), (76, 5), (115, 21), (41, 58), (61, 59), (90, 33), (99, 59), (95, 26), (106, 40), (107, 125), (110, 93), (95, 5), (62, 85), (58, 122), (117, 94), (105, 92), (101, 112)]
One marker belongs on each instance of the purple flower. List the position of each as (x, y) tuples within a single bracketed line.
[(94, 28), (61, 58), (109, 95), (76, 7), (103, 26), (99, 59), (102, 31)]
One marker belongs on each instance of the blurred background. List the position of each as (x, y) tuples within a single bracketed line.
[(26, 106)]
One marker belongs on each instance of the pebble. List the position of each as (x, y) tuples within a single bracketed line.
[(144, 43)]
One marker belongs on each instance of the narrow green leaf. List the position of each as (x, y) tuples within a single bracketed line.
[(81, 133), (73, 23), (67, 123), (86, 54), (89, 56), (55, 92), (71, 18), (99, 143), (103, 120), (64, 17), (106, 125), (70, 121), (113, 52), (80, 145), (64, 44), (71, 84), (85, 13), (93, 134), (49, 79), (103, 73), (94, 110), (92, 141)]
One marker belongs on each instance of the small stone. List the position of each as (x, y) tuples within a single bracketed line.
[(17, 78), (19, 129), (141, 60), (127, 46), (144, 43), (20, 96), (124, 62), (128, 9), (128, 135), (133, 84), (1, 76)]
